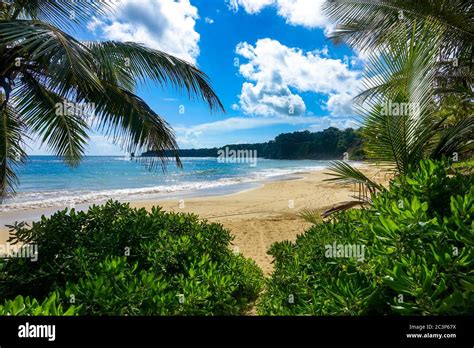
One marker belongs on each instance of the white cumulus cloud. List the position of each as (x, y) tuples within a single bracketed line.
[(250, 6), (167, 25), (276, 73), (307, 13)]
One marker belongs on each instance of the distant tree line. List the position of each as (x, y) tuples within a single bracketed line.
[(330, 143)]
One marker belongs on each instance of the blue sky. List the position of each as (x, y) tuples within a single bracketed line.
[(269, 61)]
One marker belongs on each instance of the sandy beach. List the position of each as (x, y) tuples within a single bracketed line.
[(259, 217)]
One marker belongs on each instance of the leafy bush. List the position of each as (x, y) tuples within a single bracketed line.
[(27, 306), (114, 260), (418, 255)]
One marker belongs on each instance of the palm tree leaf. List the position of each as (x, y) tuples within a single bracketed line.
[(364, 23), (402, 73), (454, 139), (55, 69), (48, 50), (343, 206), (42, 110), (313, 216), (143, 64), (131, 123), (369, 24), (344, 173), (11, 147), (65, 14)]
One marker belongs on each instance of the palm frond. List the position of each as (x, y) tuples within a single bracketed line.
[(344, 206), (453, 139), (368, 25), (312, 216), (63, 131), (129, 122), (66, 14), (143, 64), (44, 49), (401, 74), (43, 67), (343, 173), (407, 42), (11, 147), (365, 23)]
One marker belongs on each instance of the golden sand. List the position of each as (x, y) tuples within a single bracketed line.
[(259, 217)]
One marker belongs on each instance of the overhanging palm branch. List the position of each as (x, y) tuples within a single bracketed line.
[(43, 67), (67, 14), (368, 24), (11, 137), (142, 64), (405, 74)]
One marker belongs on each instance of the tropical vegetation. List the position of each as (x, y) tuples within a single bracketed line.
[(417, 254), (414, 257), (416, 102), (115, 260), (369, 25)]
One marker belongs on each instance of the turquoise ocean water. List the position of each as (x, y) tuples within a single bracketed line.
[(47, 182)]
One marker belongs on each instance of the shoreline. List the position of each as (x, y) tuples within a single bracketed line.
[(34, 212), (257, 217), (60, 188)]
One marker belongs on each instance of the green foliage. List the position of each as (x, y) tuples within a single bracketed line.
[(27, 306), (419, 54), (328, 144), (431, 184), (114, 260), (369, 25), (465, 166), (311, 215), (418, 238)]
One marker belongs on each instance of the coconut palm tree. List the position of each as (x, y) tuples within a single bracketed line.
[(399, 104), (47, 76), (368, 24)]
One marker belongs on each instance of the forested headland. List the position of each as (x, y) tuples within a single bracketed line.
[(330, 143)]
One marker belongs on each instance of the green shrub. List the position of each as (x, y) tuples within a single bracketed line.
[(114, 260), (27, 306), (418, 259), (432, 184)]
